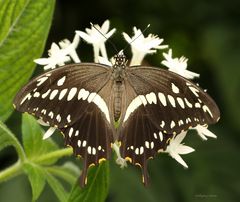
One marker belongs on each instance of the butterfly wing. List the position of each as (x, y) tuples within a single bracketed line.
[(72, 99), (165, 104)]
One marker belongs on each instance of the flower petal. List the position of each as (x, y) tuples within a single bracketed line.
[(42, 61), (49, 132), (85, 36), (203, 132), (179, 159), (183, 149)]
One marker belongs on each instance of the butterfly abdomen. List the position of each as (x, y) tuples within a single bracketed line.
[(118, 89)]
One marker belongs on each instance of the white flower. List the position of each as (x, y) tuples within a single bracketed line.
[(203, 132), (57, 56), (97, 36), (120, 161), (70, 48), (142, 45), (178, 65), (49, 133), (50, 130), (175, 148), (104, 61)]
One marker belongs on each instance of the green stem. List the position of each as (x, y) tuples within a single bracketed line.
[(17, 168), (55, 154), (11, 171)]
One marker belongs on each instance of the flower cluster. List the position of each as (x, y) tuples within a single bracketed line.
[(140, 46)]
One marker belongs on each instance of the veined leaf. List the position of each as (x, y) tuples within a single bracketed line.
[(33, 142), (57, 187), (68, 171), (96, 189), (24, 29), (37, 178), (8, 139)]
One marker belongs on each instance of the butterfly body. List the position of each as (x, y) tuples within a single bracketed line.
[(84, 100)]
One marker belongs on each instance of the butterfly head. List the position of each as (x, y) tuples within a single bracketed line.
[(119, 64), (120, 60)]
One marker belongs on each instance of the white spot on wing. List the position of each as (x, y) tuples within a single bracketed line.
[(71, 93), (79, 143), (77, 133), (51, 114), (53, 94), (28, 96), (69, 118), (151, 98), (83, 94), (41, 80), (101, 104), (36, 94), (206, 109), (44, 95), (172, 124), (188, 103), (61, 81), (194, 91), (147, 144), (152, 145), (84, 143), (162, 124), (93, 151), (180, 122), (58, 117), (89, 150), (180, 102), (160, 136), (143, 99), (91, 96), (171, 100), (197, 105), (175, 89), (62, 93), (137, 151), (162, 99), (70, 132), (136, 102)]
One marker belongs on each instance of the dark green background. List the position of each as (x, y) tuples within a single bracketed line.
[(208, 33)]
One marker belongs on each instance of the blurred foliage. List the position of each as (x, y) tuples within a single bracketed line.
[(207, 32)]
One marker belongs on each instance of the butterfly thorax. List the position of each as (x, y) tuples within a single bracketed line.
[(118, 77)]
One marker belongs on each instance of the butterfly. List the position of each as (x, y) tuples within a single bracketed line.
[(84, 101)]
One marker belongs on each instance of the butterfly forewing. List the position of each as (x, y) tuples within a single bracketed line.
[(165, 104), (84, 100), (72, 98)]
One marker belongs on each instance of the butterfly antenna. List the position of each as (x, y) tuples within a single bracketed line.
[(137, 36), (113, 45)]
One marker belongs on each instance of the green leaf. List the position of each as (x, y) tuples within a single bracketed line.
[(8, 139), (57, 187), (32, 135), (37, 178), (97, 187), (68, 171), (24, 29)]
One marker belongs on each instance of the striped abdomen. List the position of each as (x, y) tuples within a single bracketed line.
[(118, 88)]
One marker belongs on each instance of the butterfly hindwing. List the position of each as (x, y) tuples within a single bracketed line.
[(164, 104), (90, 137), (85, 101), (71, 99)]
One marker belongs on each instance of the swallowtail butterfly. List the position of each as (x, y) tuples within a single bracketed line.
[(85, 100)]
